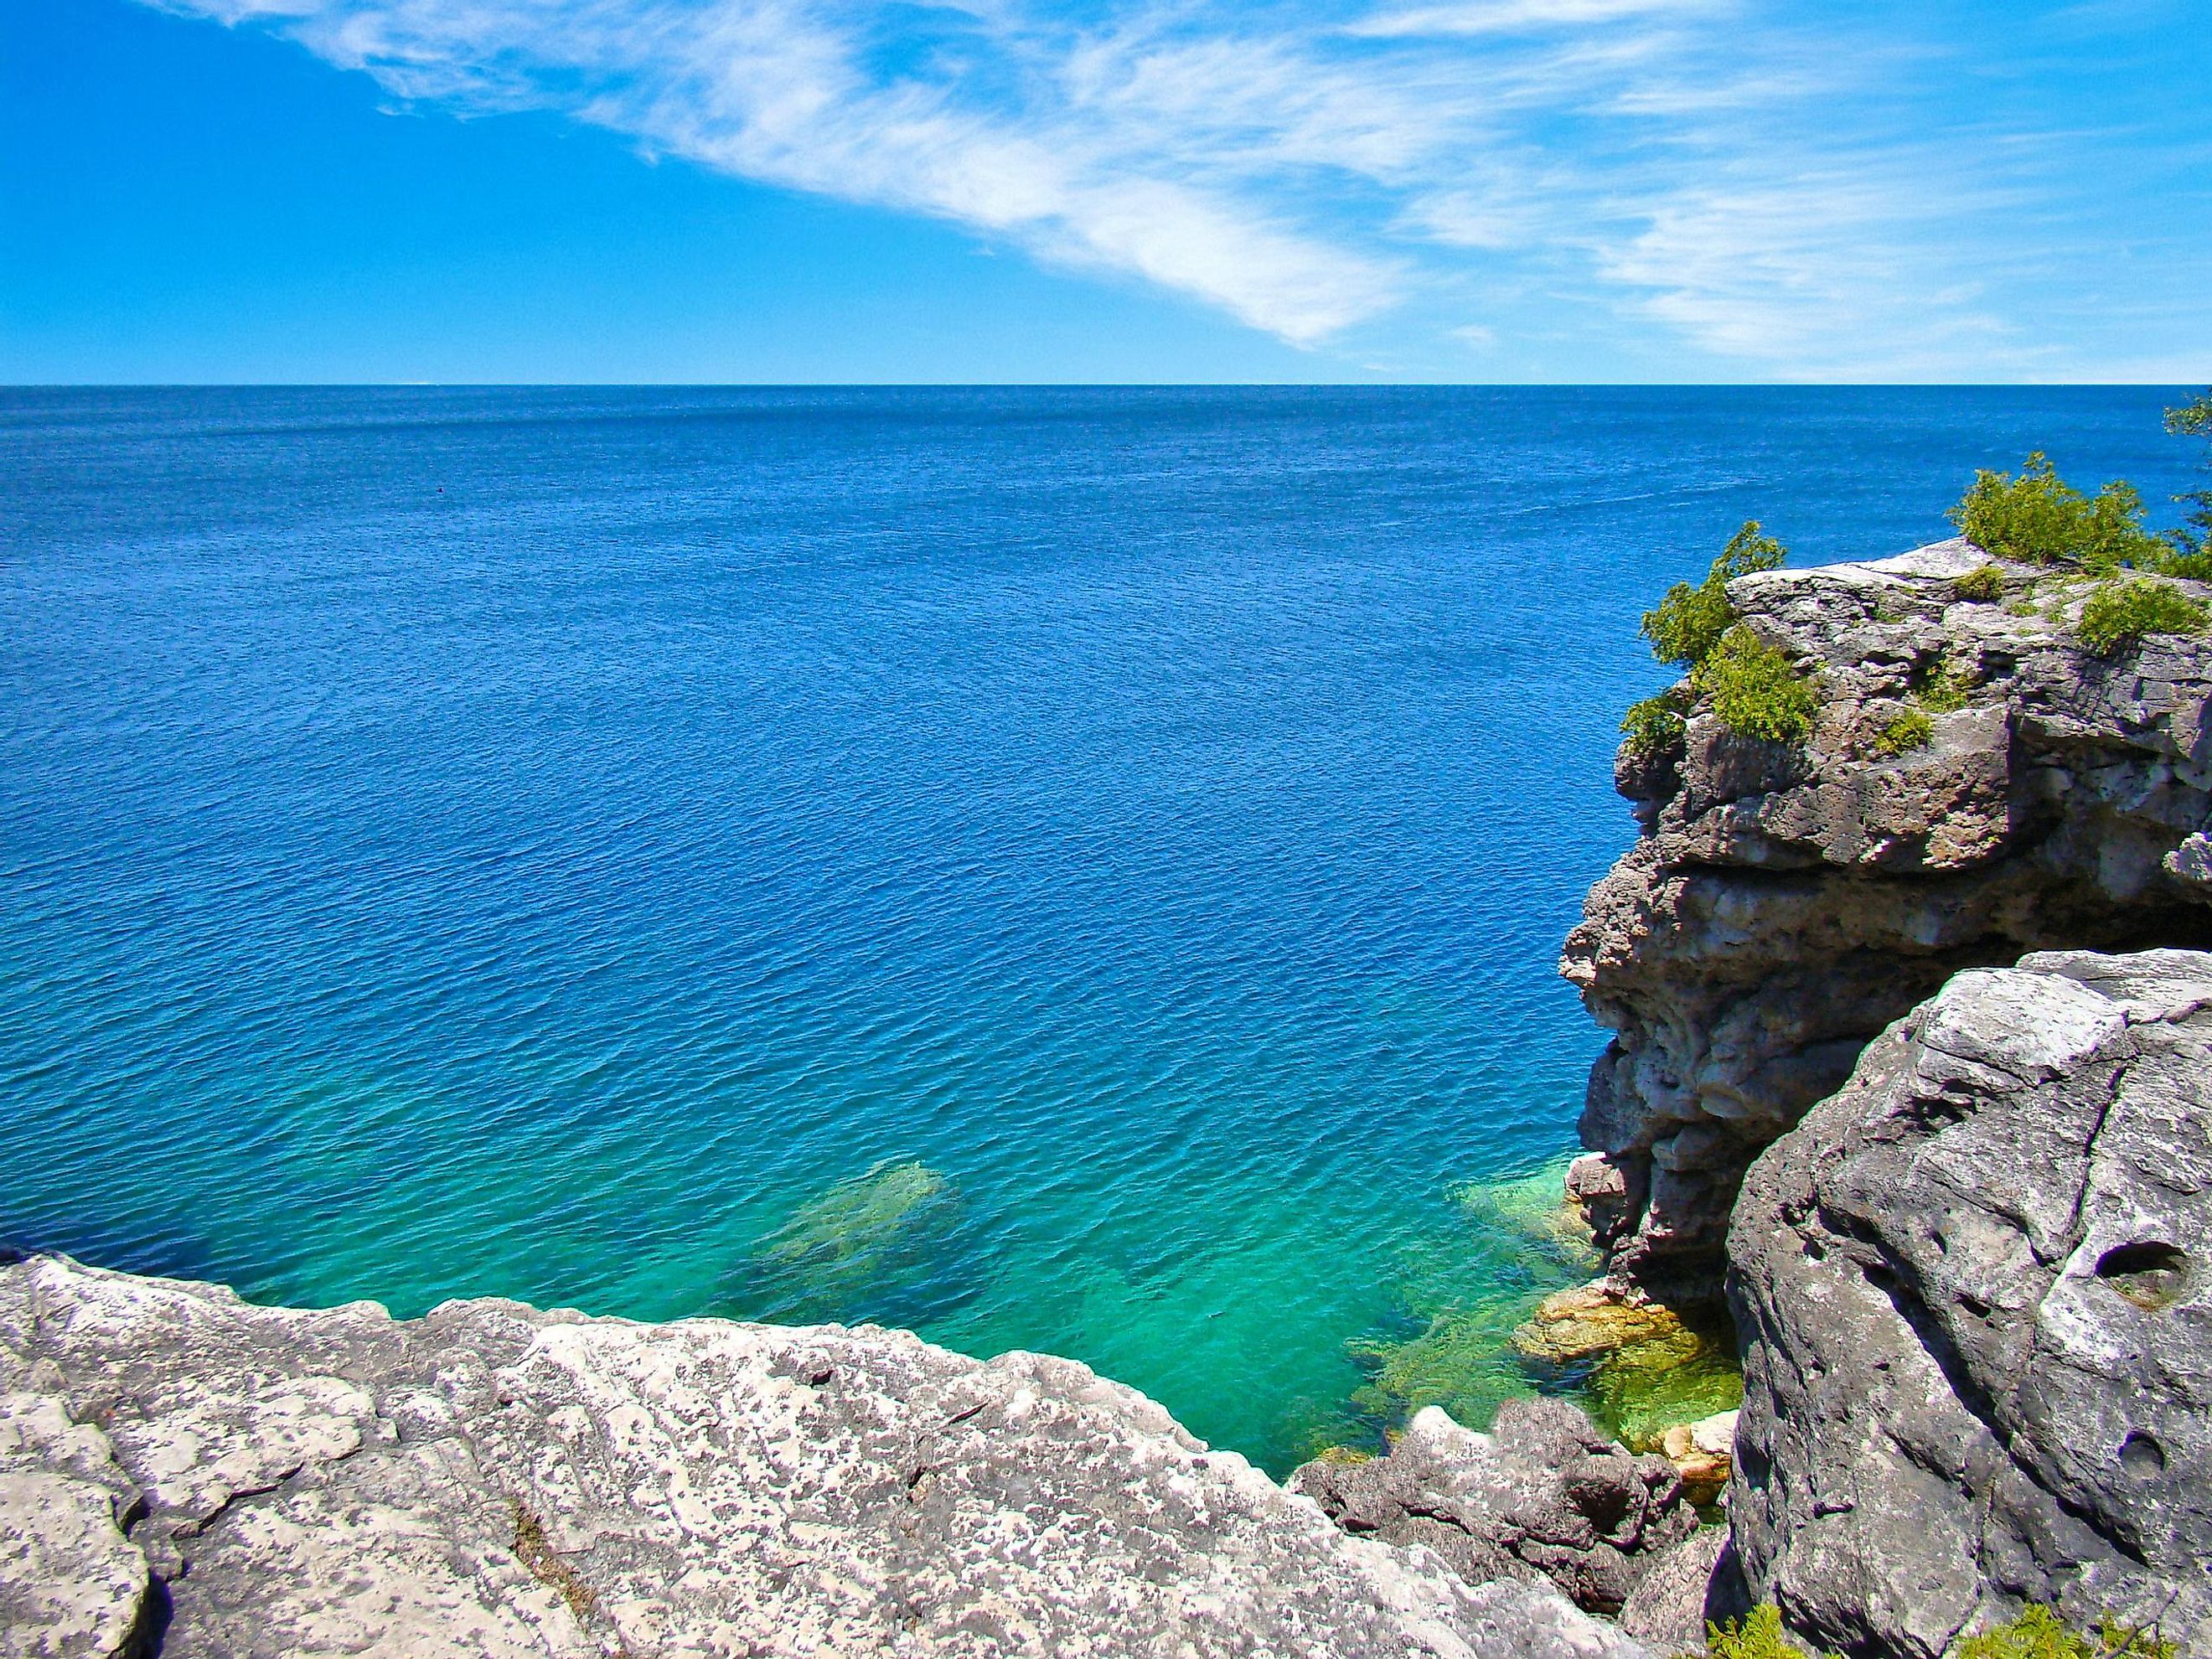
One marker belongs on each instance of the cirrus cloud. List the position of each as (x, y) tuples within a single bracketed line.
[(1791, 195)]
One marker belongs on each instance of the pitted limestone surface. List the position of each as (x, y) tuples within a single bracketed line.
[(1543, 1496), (180, 1467)]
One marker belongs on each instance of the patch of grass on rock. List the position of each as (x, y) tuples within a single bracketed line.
[(2120, 613)]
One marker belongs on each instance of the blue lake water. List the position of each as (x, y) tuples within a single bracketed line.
[(559, 843)]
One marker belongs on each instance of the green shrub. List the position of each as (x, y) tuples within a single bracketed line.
[(2039, 519), (2120, 613), (1689, 622), (2195, 564), (1983, 583), (1655, 723), (1756, 690), (1944, 691), (2192, 541), (1909, 731), (1757, 1634), (2039, 1633)]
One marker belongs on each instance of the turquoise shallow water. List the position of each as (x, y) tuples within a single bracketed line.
[(557, 843)]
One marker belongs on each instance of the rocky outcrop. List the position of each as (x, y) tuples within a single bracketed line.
[(1543, 1496), (185, 1473), (1786, 903), (1974, 1289), (1693, 1586)]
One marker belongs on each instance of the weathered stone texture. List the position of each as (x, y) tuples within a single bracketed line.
[(181, 1472), (1974, 1289), (1786, 903), (1542, 1495), (1693, 1586)]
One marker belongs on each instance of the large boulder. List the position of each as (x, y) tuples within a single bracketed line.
[(1543, 1496), (1786, 903), (1974, 1291), (184, 1471)]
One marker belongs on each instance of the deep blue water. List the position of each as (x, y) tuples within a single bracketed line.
[(542, 842)]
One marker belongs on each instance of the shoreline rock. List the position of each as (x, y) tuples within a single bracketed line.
[(1975, 1292), (183, 1469), (1544, 1495), (1785, 904)]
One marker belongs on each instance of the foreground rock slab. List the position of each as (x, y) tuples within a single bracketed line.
[(185, 1473), (1975, 1294)]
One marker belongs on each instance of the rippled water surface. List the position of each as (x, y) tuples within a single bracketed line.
[(1070, 870)]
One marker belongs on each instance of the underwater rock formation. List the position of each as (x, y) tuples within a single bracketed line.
[(184, 1473), (1542, 1495), (1974, 1289), (1788, 901)]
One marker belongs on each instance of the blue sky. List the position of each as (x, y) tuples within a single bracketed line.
[(1086, 190)]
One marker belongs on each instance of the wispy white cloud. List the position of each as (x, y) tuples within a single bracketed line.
[(1513, 16), (1767, 194)]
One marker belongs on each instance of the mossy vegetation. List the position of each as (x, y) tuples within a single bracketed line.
[(534, 1549), (1756, 690), (2120, 613), (1757, 1634), (1655, 723), (2192, 538), (2037, 1633), (1691, 621), (1943, 691), (1983, 584), (1911, 730), (2038, 518)]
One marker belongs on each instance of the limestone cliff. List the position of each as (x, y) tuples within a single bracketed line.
[(1786, 903), (184, 1473), (1974, 1289)]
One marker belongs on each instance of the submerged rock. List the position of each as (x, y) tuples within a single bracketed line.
[(1645, 1368), (1787, 902), (1702, 1453), (1975, 1291), (1542, 1495), (1594, 1320), (179, 1465)]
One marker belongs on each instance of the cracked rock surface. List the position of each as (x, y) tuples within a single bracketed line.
[(185, 1473), (1786, 903), (1542, 1497), (1974, 1291)]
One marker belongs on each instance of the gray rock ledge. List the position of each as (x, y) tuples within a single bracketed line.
[(185, 1473), (1786, 903), (1974, 1291)]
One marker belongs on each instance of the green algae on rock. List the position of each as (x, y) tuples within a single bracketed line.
[(844, 1246), (1649, 1367), (1462, 1297)]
